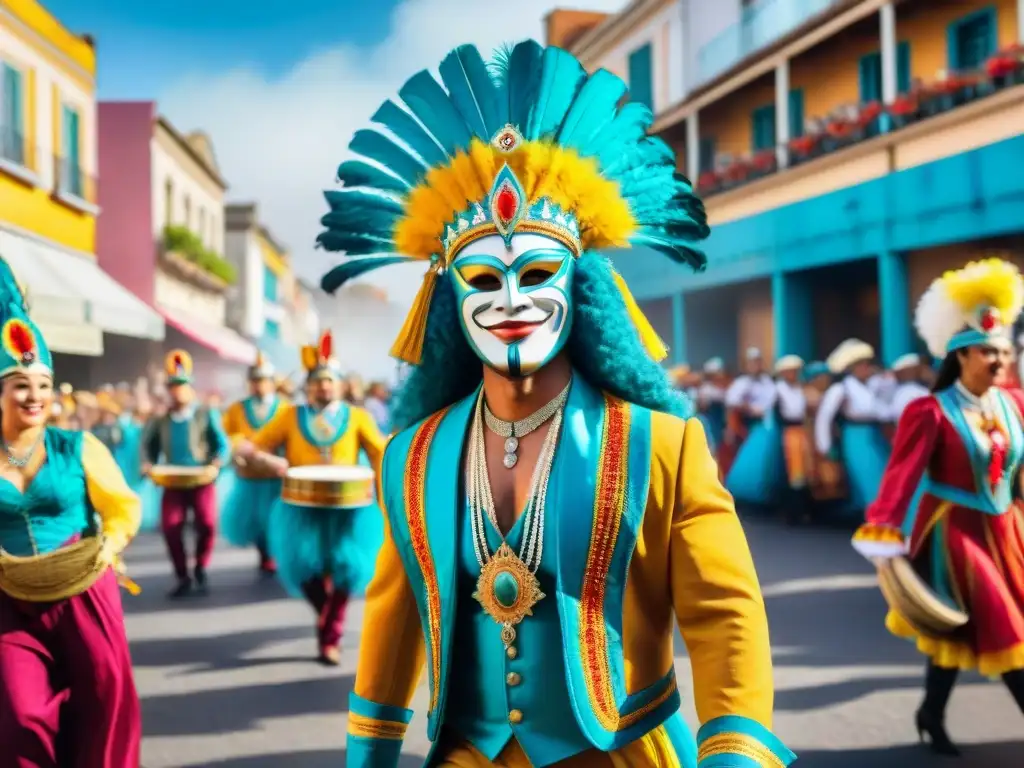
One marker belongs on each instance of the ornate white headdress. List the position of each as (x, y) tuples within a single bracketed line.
[(975, 305)]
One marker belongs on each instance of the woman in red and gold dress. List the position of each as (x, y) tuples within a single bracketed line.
[(964, 446)]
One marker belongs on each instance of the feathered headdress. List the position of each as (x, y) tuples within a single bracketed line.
[(526, 143), (975, 305), (178, 367), (261, 369), (22, 347), (319, 360)]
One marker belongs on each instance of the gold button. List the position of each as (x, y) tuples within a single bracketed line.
[(511, 652), (515, 717), (513, 678)]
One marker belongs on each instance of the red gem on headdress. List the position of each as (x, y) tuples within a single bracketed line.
[(988, 321), (506, 204)]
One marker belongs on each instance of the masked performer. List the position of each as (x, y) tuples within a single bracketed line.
[(965, 443), (531, 384), (324, 554), (255, 491), (188, 437), (67, 697)]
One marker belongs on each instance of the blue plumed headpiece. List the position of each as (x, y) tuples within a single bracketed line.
[(528, 142), (23, 348)]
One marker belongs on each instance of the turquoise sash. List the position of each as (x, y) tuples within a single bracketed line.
[(249, 406)]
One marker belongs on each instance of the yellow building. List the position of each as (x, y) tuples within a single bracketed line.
[(847, 151), (48, 187)]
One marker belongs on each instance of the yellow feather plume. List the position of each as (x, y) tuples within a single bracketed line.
[(990, 282), (544, 170)]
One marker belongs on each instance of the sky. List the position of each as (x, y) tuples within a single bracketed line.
[(281, 85)]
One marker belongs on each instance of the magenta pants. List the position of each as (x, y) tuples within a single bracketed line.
[(67, 696), (329, 605), (174, 509)]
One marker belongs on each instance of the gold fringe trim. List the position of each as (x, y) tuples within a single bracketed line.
[(883, 534), (955, 654), (408, 347), (655, 347)]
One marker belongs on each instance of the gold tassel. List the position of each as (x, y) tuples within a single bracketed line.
[(648, 336), (408, 347)]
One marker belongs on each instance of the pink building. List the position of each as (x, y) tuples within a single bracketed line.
[(162, 235)]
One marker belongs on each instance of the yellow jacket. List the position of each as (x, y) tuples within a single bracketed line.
[(356, 430), (689, 564)]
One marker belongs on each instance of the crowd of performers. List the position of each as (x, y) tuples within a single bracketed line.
[(809, 439), (547, 633)]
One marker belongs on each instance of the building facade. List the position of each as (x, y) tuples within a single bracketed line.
[(162, 235), (847, 151), (49, 200), (271, 307)]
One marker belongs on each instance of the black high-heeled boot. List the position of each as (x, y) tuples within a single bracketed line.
[(1015, 682), (938, 685)]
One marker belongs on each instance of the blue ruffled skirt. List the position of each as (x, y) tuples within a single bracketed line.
[(310, 542), (865, 453), (246, 511), (758, 475), (150, 497)]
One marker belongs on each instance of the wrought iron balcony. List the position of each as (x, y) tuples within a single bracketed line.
[(13, 147), (71, 181), (762, 23)]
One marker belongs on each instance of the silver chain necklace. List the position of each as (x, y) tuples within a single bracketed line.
[(512, 431), (22, 461)]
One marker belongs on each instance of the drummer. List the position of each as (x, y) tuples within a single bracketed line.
[(186, 436), (244, 520), (324, 554)]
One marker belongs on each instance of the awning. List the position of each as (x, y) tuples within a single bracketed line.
[(217, 338), (70, 288)]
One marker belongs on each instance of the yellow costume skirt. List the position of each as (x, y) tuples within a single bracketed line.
[(654, 750)]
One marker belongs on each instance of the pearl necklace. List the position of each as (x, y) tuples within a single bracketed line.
[(512, 431), (507, 587)]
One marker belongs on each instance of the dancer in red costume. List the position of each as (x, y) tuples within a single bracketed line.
[(963, 446)]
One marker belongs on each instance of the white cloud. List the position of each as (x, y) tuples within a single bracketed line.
[(279, 142)]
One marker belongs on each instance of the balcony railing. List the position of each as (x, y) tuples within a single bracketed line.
[(12, 145), (70, 180), (856, 123), (761, 24)]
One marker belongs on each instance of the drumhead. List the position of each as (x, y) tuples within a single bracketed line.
[(171, 469), (331, 473)]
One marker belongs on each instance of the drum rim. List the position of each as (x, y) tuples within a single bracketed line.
[(362, 474), (921, 608), (178, 469)]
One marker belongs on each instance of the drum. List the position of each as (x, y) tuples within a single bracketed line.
[(52, 576), (182, 478), (329, 486), (907, 594)]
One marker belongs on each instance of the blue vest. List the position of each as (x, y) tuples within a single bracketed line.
[(55, 504), (421, 480), (481, 695)]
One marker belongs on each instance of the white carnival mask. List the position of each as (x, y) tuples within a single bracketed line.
[(514, 300)]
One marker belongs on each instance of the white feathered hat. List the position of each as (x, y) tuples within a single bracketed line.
[(975, 305), (849, 353), (714, 365)]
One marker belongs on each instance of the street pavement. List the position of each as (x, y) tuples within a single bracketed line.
[(228, 680)]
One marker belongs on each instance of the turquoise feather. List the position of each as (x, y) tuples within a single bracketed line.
[(383, 150), (356, 173), (10, 292), (593, 109), (546, 94), (407, 130), (472, 90), (431, 105), (354, 268), (525, 68), (560, 81)]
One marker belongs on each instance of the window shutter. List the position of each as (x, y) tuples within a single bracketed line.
[(641, 86)]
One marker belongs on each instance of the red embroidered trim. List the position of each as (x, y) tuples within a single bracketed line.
[(415, 511)]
